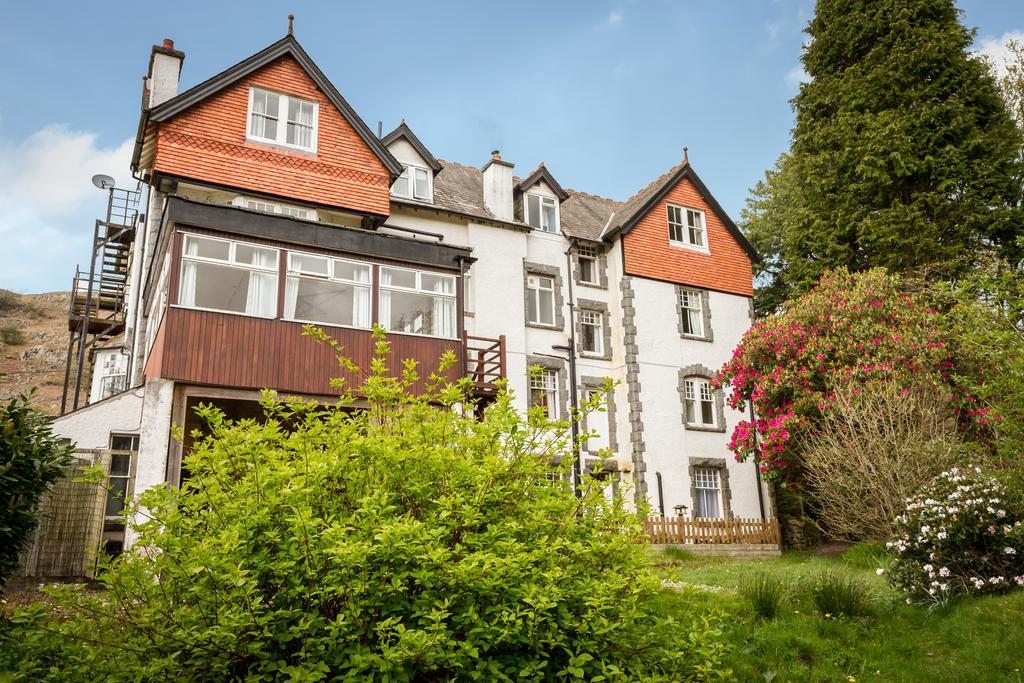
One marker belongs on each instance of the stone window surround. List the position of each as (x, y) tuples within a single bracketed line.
[(591, 383), (723, 481), (606, 328), (555, 273), (601, 265), (701, 372), (558, 365), (634, 404), (705, 309)]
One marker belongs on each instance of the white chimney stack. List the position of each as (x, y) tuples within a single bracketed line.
[(498, 187), (164, 72)]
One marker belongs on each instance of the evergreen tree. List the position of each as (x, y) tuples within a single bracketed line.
[(903, 156)]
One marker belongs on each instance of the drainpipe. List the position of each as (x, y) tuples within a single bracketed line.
[(573, 398), (661, 495)]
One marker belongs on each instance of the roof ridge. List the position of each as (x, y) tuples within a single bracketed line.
[(592, 195), (664, 176)]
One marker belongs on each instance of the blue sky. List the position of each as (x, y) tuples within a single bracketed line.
[(605, 93)]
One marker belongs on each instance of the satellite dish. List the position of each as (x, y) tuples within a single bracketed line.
[(104, 182)]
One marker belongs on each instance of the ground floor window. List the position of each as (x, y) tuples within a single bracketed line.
[(708, 486)]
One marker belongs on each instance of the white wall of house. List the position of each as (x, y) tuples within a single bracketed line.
[(90, 427)]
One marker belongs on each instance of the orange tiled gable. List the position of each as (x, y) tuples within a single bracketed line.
[(647, 252), (207, 142)]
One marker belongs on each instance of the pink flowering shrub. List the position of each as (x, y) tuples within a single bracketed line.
[(850, 331), (961, 535)]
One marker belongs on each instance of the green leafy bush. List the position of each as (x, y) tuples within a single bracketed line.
[(961, 535), (836, 593), (766, 594), (11, 335), (31, 459), (404, 541)]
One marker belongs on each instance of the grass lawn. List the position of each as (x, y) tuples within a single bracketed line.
[(975, 640)]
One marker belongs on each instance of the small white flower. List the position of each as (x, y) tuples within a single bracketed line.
[(928, 568), (944, 571), (941, 535), (1009, 551), (879, 571)]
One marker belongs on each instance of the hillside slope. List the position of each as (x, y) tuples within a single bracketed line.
[(33, 346)]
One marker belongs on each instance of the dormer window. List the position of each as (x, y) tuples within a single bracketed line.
[(278, 119), (541, 211), (686, 227), (414, 183)]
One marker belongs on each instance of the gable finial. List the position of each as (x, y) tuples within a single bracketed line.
[(291, 19), (686, 155)]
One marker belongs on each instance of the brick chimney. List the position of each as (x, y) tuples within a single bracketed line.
[(164, 72), (498, 186)]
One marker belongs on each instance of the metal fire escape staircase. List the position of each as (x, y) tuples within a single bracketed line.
[(98, 304)]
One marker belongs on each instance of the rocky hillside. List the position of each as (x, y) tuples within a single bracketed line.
[(33, 346)]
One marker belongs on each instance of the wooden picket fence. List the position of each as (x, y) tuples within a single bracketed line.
[(738, 530)]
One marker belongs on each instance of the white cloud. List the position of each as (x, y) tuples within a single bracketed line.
[(794, 77), (995, 50), (48, 204), (615, 17)]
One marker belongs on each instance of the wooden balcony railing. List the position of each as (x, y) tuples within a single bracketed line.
[(682, 530), (484, 362)]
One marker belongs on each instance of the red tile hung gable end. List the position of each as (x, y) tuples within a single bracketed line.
[(208, 143), (647, 252)]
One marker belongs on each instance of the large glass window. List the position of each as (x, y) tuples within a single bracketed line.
[(541, 212), (700, 402), (325, 290), (544, 391), (692, 311), (708, 487), (417, 302), (222, 275), (298, 129), (540, 300), (686, 226)]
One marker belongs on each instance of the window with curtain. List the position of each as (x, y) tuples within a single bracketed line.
[(417, 302), (707, 484), (699, 401), (298, 128), (223, 275), (587, 259), (414, 183), (541, 212), (325, 290), (691, 309)]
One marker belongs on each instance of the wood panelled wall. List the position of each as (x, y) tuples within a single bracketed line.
[(221, 349)]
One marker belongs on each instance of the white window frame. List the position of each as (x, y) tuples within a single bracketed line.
[(679, 227), (596, 321), (281, 139), (691, 313), (708, 479), (588, 253), (276, 208), (233, 263), (697, 391), (547, 381), (386, 324), (409, 172), (330, 277), (534, 290), (542, 198)]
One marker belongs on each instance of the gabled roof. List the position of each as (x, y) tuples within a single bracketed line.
[(403, 131), (637, 206), (539, 174), (286, 46)]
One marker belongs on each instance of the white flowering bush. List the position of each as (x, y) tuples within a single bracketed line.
[(961, 535)]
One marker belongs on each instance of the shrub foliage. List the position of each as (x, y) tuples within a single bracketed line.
[(31, 459), (403, 540), (961, 535)]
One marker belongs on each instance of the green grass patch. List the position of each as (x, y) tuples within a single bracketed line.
[(977, 639), (766, 594)]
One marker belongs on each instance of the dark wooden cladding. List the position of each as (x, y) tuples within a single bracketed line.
[(220, 349)]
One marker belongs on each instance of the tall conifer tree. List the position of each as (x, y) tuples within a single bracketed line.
[(903, 156)]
